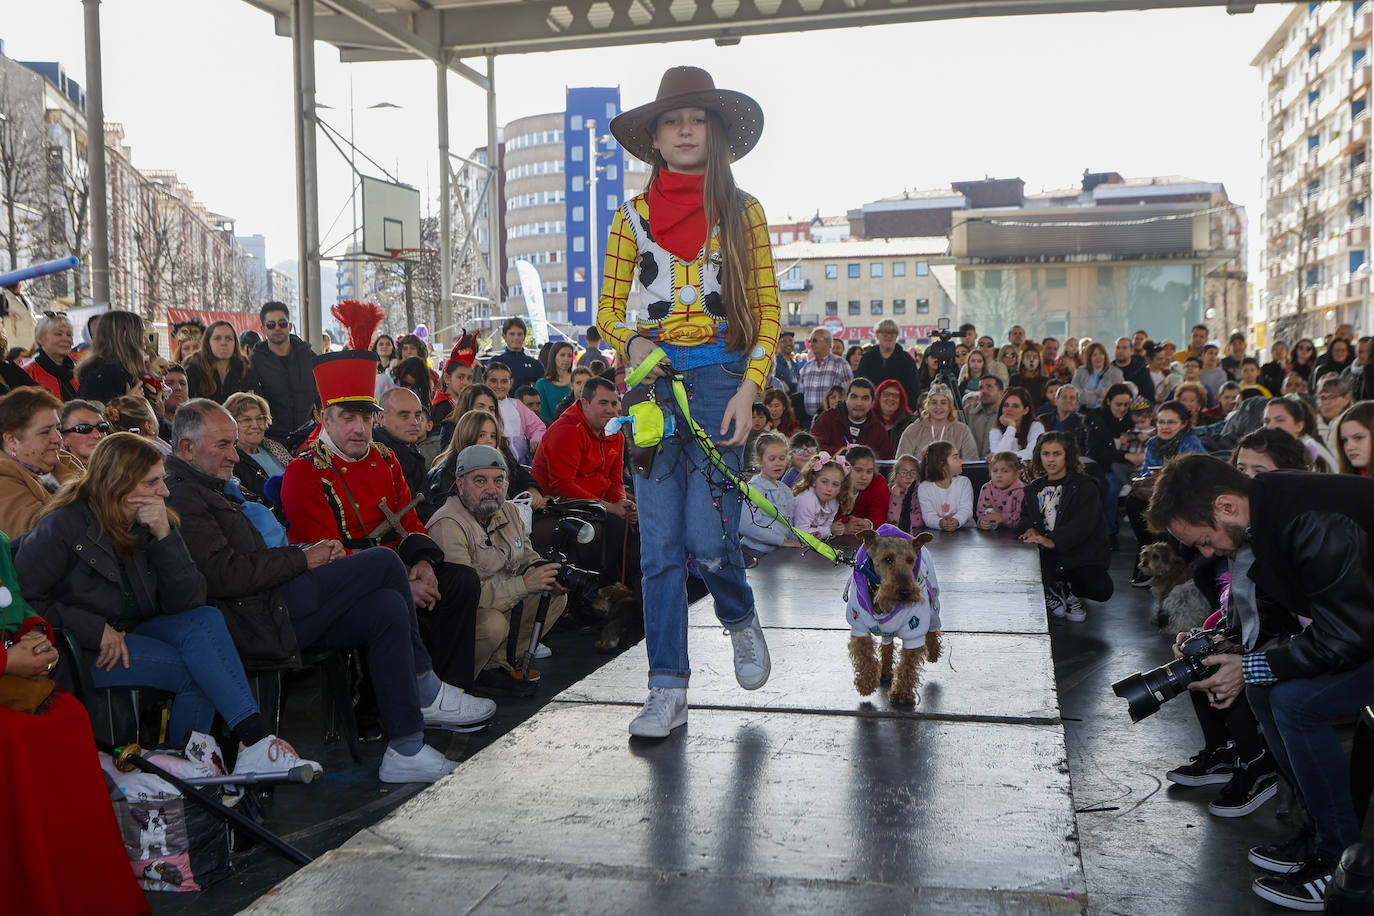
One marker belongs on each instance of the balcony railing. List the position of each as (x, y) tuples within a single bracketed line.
[(788, 285)]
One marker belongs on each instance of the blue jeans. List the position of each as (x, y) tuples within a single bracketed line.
[(680, 515), (1296, 718), (191, 655), (1111, 505), (364, 600)]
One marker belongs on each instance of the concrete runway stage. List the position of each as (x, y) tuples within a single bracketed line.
[(798, 797)]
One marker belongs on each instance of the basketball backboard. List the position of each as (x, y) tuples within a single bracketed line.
[(391, 217)]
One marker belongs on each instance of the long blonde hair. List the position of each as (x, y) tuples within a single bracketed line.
[(117, 338), (465, 433), (119, 462), (724, 203)]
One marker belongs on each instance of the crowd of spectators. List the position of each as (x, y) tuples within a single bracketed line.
[(222, 499)]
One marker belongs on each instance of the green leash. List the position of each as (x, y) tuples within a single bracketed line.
[(708, 447)]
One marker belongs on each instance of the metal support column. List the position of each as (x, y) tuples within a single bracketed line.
[(95, 159), (446, 315), (307, 175), (495, 200)]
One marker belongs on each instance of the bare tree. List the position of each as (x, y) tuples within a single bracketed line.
[(158, 250), (65, 225), (21, 159), (994, 301)]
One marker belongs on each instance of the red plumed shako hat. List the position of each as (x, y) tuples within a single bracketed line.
[(349, 378)]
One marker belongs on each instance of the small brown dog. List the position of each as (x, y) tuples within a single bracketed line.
[(893, 592), (1179, 605)]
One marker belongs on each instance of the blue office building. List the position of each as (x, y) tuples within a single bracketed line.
[(594, 175)]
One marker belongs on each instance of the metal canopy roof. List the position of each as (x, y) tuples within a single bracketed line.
[(375, 30)]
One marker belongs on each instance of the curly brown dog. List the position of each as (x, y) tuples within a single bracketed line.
[(1178, 603), (905, 603)]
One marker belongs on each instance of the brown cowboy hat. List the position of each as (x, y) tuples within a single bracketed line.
[(690, 87)]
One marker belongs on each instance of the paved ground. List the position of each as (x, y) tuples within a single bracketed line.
[(827, 836)]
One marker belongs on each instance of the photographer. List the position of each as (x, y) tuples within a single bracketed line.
[(1304, 541), (477, 527)]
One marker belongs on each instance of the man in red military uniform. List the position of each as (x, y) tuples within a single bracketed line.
[(345, 486)]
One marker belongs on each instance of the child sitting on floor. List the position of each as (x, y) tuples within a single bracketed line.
[(999, 501), (945, 494), (758, 533), (906, 474), (821, 494), (869, 489), (800, 450), (1062, 515)]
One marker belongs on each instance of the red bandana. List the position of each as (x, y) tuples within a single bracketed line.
[(676, 215)]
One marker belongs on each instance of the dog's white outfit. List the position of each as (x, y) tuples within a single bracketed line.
[(909, 622)]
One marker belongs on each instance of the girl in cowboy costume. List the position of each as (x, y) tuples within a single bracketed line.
[(697, 248)]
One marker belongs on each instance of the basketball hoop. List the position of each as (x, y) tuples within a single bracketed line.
[(410, 254)]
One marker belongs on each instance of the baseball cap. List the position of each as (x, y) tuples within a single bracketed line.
[(477, 458)]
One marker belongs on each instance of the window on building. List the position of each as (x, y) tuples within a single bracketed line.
[(875, 307), (1313, 95), (611, 202), (576, 153), (966, 280), (1313, 141), (1356, 7), (1313, 276), (1357, 57), (1314, 51), (1359, 107), (855, 307), (1056, 277), (579, 274), (1312, 7), (612, 173), (1034, 278), (992, 279), (575, 122), (580, 303), (578, 183), (832, 271), (922, 268), (853, 271), (579, 214), (794, 272), (899, 268), (899, 306), (832, 307), (610, 110), (1106, 276), (875, 269), (922, 306), (1356, 259), (579, 243)]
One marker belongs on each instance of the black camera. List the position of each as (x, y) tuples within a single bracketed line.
[(942, 347), (1145, 692), (582, 583)]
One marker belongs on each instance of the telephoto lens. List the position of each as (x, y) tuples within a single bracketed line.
[(1145, 692)]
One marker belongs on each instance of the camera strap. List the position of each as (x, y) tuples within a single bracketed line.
[(708, 448)]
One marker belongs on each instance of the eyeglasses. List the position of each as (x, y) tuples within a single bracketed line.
[(85, 429), (906, 472), (1330, 397), (273, 325), (258, 420), (805, 451)]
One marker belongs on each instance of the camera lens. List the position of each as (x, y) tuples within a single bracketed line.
[(1145, 692)]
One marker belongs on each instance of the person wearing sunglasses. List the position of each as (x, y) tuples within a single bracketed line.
[(82, 426), (285, 366)]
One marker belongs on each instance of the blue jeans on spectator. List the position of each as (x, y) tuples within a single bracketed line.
[(1111, 502), (365, 600), (191, 655), (1296, 718), (680, 515)]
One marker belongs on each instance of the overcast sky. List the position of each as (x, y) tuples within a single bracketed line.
[(204, 87)]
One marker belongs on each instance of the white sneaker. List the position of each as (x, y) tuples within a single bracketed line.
[(665, 710), (427, 766), (1074, 609), (752, 664), (457, 711), (542, 651), (272, 755)]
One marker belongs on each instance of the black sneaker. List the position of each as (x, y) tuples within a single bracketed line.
[(1249, 788), (1139, 579), (1286, 857), (1304, 889), (1212, 766)]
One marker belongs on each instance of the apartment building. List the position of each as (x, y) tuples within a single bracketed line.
[(1314, 263)]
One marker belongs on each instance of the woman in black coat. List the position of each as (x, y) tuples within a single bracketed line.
[(114, 365), (107, 562)]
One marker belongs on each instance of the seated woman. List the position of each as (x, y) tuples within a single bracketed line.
[(114, 364), (480, 427), (133, 414), (1173, 437), (259, 456), (939, 423), (413, 373), (1296, 418), (1097, 375), (218, 369), (781, 417), (1016, 429), (1356, 431), (891, 408), (67, 855), (33, 465), (107, 563), (51, 366)]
